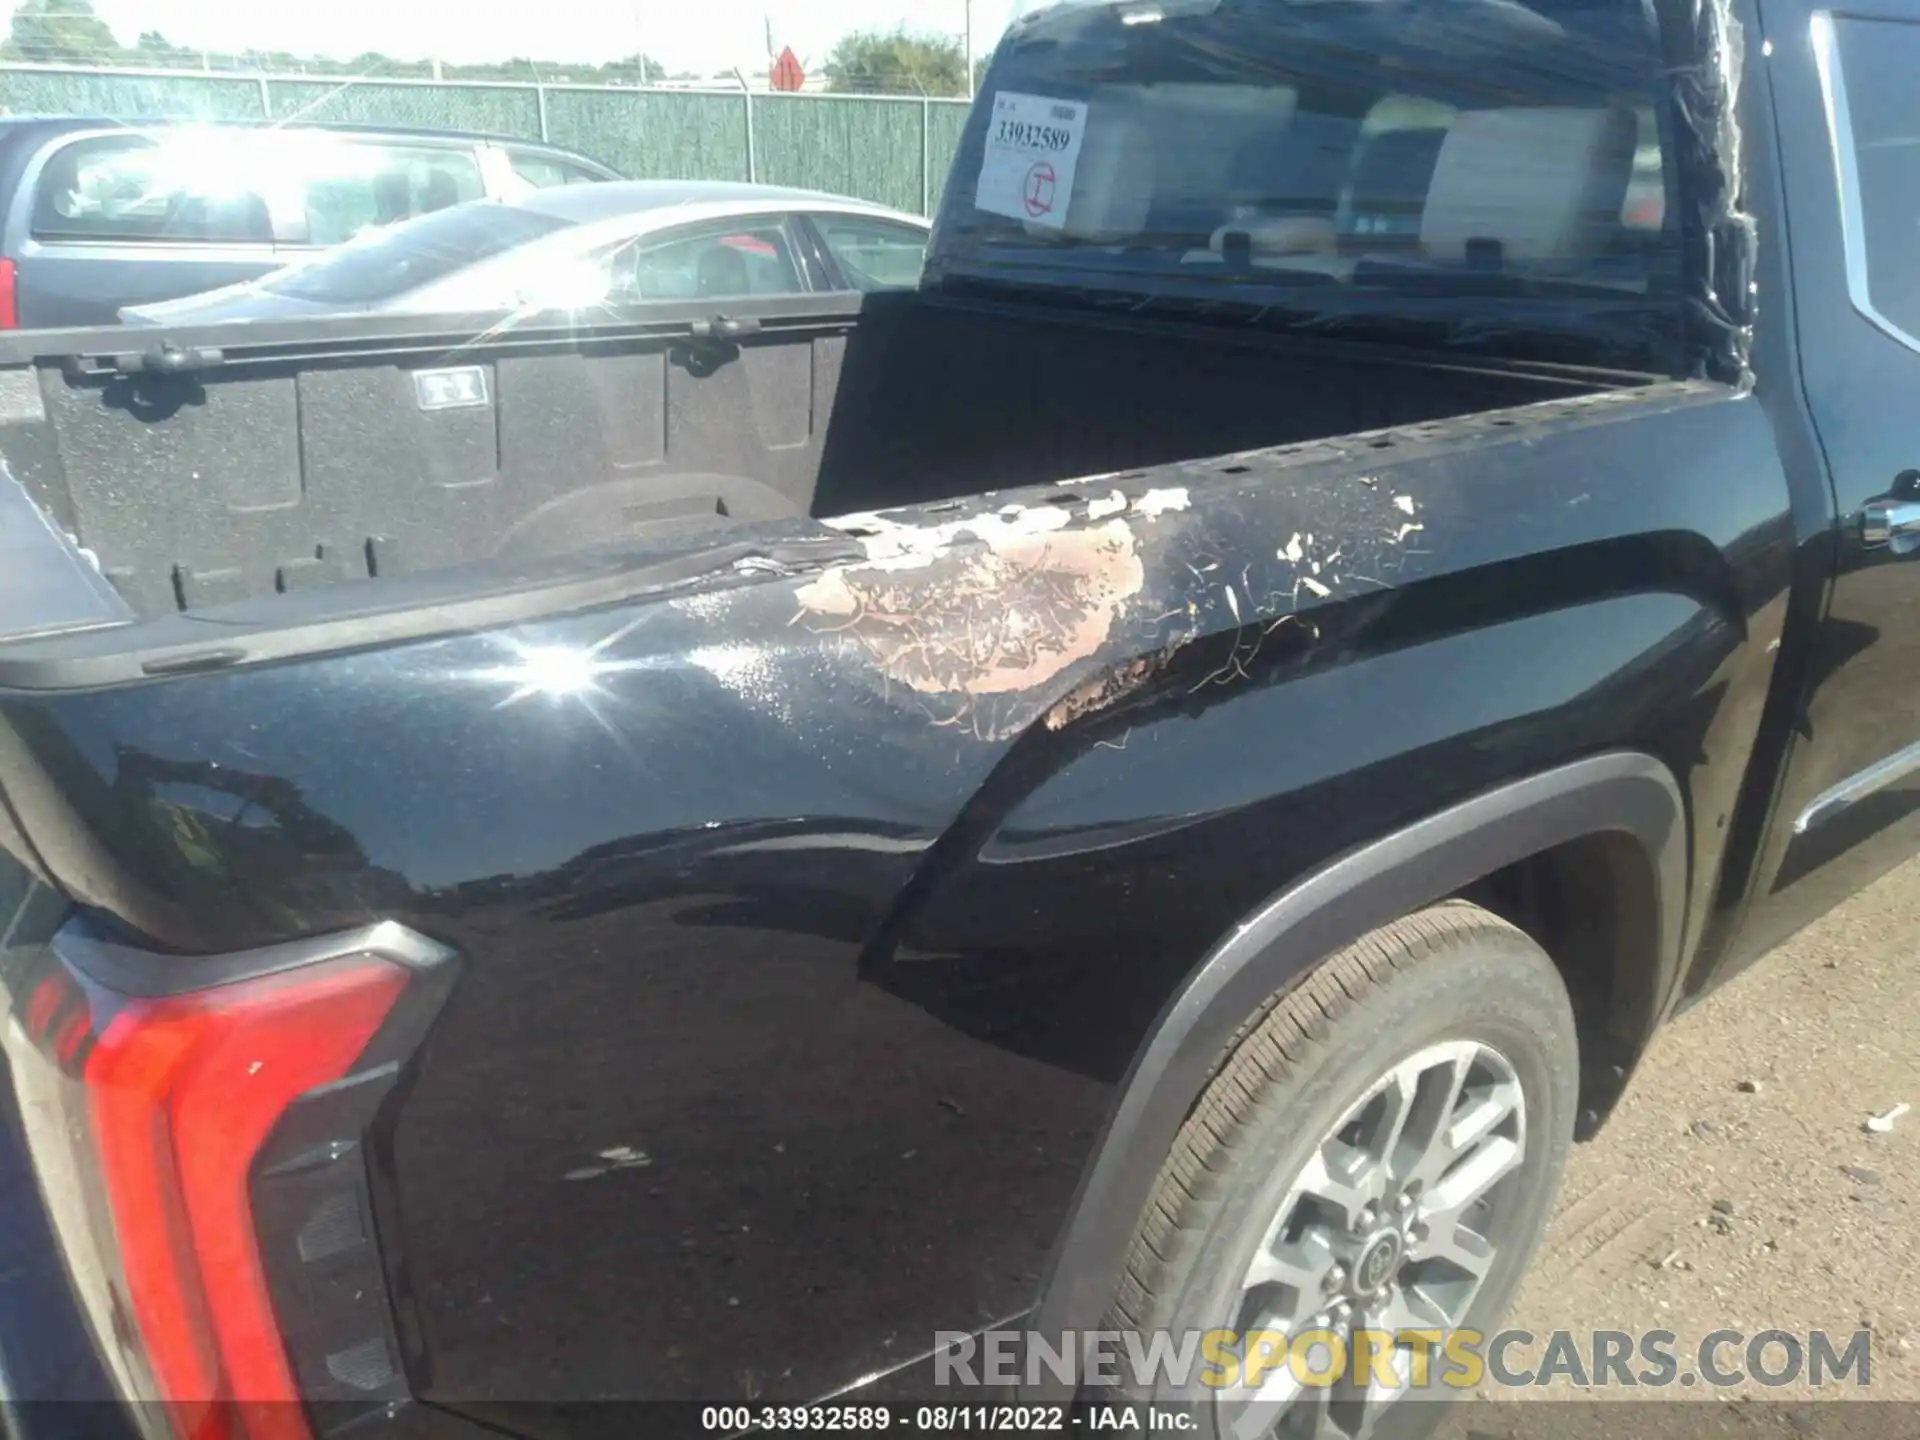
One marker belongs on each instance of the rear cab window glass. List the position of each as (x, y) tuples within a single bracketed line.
[(1879, 61), (1498, 182), (386, 262)]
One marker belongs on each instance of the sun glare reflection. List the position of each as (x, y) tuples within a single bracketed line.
[(555, 671), (561, 674)]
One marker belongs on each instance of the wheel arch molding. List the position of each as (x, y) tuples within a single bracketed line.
[(1622, 795)]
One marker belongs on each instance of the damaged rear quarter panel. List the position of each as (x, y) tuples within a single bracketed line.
[(845, 893), (980, 619), (1324, 644)]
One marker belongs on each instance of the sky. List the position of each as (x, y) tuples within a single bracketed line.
[(697, 35)]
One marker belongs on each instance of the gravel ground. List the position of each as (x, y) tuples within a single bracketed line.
[(1737, 1186)]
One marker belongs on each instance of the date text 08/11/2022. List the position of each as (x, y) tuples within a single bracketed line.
[(947, 1419)]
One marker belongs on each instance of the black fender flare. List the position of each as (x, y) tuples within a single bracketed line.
[(1302, 925)]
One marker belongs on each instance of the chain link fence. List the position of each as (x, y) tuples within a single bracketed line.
[(891, 149)]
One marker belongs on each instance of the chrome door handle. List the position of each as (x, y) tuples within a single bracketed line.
[(1886, 522)]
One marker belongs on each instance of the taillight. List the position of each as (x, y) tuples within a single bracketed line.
[(9, 295), (182, 1093), (152, 1113)]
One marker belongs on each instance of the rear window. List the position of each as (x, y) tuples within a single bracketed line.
[(346, 187), (874, 254), (724, 261), (384, 263), (192, 186), (542, 172), (1498, 182), (231, 185)]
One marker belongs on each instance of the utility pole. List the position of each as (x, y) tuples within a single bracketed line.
[(969, 5)]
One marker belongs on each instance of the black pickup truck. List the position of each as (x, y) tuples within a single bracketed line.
[(1156, 783)]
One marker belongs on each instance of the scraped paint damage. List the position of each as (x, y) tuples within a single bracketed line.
[(996, 620), (980, 613)]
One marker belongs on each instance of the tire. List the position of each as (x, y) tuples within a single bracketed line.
[(1408, 1007)]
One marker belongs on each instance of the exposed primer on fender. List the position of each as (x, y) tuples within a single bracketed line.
[(1022, 613), (982, 611)]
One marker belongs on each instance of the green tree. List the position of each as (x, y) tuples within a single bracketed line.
[(60, 32), (633, 70), (153, 48), (897, 62), (373, 63)]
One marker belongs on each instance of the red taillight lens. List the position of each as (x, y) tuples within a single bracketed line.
[(179, 1095), (9, 295)]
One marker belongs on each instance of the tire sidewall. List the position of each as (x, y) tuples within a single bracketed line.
[(1496, 989)]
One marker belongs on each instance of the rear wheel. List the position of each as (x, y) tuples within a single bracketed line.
[(1379, 1151)]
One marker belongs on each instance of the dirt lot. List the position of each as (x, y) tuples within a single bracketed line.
[(1738, 1188)]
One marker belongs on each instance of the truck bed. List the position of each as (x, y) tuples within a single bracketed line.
[(287, 464)]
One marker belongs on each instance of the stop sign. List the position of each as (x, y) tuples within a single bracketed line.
[(787, 74)]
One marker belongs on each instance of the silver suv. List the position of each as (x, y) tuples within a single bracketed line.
[(101, 214)]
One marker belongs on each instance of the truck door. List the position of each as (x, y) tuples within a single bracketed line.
[(1849, 131)]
